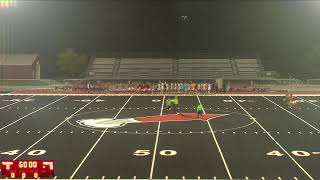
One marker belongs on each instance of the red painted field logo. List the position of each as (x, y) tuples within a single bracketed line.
[(115, 123)]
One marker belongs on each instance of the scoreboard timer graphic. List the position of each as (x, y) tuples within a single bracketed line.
[(27, 169)]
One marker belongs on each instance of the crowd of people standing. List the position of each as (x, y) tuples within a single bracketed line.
[(186, 87)]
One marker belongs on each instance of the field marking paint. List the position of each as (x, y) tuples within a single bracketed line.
[(30, 113), (156, 143), (217, 144), (52, 130), (17, 102), (122, 108), (98, 140), (293, 114), (309, 102), (282, 148)]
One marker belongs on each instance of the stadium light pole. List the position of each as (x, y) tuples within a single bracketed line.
[(5, 32)]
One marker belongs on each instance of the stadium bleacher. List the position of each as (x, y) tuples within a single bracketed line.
[(249, 68), (166, 68), (205, 68), (102, 68), (145, 68)]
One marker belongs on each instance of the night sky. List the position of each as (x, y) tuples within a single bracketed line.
[(279, 31)]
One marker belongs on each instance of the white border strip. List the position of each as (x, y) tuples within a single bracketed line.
[(310, 177), (217, 144), (156, 143), (98, 140)]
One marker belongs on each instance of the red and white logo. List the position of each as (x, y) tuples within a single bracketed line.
[(115, 123)]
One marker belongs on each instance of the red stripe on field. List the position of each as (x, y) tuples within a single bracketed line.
[(178, 117)]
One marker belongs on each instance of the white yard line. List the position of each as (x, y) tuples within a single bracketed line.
[(16, 102), (156, 143), (30, 113), (284, 150), (49, 132), (293, 115), (309, 102), (217, 144), (95, 144)]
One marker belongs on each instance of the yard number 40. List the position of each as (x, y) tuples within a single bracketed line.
[(146, 152), (36, 152), (295, 153)]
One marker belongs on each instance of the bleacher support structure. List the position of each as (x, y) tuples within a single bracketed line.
[(169, 68)]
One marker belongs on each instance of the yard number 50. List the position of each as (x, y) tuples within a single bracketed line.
[(146, 152)]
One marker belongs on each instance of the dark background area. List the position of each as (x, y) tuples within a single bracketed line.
[(279, 31)]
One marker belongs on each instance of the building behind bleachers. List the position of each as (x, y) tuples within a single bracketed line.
[(20, 66), (170, 68)]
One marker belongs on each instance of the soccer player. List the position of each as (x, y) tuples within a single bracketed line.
[(168, 104), (200, 111), (175, 102), (291, 102)]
